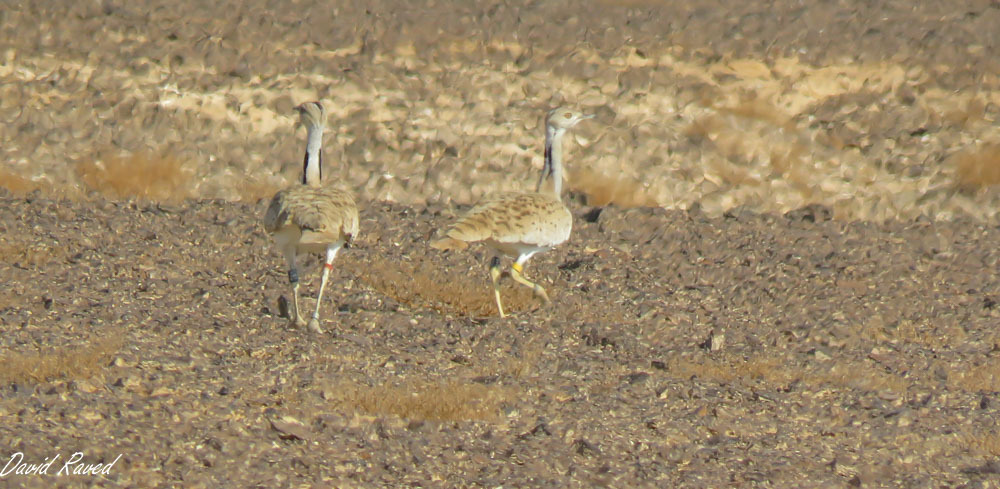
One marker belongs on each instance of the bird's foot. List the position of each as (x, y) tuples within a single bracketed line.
[(540, 293), (314, 326)]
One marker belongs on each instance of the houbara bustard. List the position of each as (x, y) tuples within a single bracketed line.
[(522, 224), (311, 217)]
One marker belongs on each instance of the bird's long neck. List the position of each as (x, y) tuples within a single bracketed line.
[(550, 181), (312, 164)]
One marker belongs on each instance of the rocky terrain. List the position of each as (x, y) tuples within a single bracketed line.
[(782, 272), (680, 350), (762, 104)]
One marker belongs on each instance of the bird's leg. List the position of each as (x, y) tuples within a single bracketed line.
[(293, 278), (295, 317), (331, 253), (495, 275), (516, 273)]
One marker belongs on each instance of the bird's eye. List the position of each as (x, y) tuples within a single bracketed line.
[(568, 115)]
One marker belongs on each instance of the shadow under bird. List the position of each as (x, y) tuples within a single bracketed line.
[(311, 217), (520, 224)]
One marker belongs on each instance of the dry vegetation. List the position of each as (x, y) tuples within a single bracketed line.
[(143, 176), (988, 443), (65, 363), (778, 372), (931, 332), (978, 378), (426, 284), (30, 255), (603, 189), (978, 167), (254, 189), (15, 183), (424, 400)]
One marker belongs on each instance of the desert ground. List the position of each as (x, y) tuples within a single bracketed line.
[(782, 273)]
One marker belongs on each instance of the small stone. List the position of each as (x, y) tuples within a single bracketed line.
[(291, 428), (718, 341)]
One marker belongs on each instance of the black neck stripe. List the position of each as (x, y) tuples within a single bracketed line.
[(305, 168)]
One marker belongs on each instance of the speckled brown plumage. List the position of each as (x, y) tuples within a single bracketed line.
[(511, 220), (311, 217), (521, 224), (322, 215)]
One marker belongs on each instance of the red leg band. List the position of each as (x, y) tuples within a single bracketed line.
[(329, 266)]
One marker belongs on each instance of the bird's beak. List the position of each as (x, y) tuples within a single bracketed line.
[(582, 118)]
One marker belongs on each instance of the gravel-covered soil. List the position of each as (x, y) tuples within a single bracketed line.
[(796, 286), (680, 350)]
